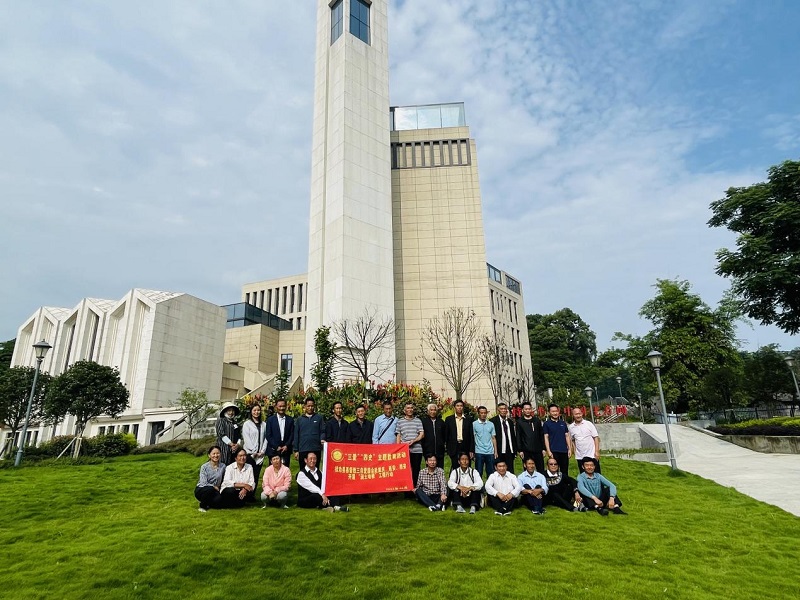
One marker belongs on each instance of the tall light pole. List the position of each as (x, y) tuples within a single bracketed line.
[(588, 391), (40, 349), (655, 361), (790, 363), (619, 385)]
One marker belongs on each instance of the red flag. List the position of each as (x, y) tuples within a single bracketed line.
[(366, 469)]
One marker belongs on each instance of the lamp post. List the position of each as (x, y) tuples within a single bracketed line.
[(40, 349), (655, 361), (588, 391), (790, 363), (619, 385)]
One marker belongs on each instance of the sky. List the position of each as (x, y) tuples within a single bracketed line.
[(166, 145)]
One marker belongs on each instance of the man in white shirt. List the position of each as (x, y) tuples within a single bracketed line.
[(502, 489), (465, 484), (585, 439)]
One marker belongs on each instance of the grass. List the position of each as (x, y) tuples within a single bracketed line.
[(129, 528)]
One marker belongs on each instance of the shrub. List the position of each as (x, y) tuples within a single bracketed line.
[(777, 426), (198, 447)]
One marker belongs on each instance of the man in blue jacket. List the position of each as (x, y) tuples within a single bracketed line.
[(309, 432)]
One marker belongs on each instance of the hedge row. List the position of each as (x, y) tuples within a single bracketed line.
[(777, 426), (198, 447), (102, 446)]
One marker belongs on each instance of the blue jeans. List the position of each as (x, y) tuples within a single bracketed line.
[(484, 459)]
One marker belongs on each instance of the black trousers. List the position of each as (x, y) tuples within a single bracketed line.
[(605, 496), (537, 457), (256, 469), (229, 498), (461, 448), (563, 461), (500, 505), (561, 495), (531, 502), (315, 501), (474, 499), (416, 464), (208, 496)]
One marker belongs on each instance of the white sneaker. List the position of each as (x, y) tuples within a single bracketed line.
[(472, 510), (201, 509), (432, 508), (460, 509), (498, 513)]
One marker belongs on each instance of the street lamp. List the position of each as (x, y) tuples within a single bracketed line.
[(588, 391), (40, 349), (619, 385), (655, 361), (790, 363)]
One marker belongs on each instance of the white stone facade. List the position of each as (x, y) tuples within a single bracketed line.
[(350, 265), (161, 342)]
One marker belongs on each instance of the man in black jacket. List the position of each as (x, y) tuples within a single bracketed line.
[(360, 430), (530, 437), (433, 442), (280, 433), (506, 436), (336, 428), (458, 437)]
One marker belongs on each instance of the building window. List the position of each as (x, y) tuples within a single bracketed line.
[(286, 364), (126, 429), (337, 20), (291, 300), (101, 431), (512, 284), (300, 298), (359, 20), (136, 430), (494, 273)]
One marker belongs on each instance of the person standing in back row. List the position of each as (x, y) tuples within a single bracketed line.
[(556, 438), (530, 437), (433, 442), (506, 436), (585, 440)]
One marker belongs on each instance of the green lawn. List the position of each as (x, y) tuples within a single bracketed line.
[(129, 528)]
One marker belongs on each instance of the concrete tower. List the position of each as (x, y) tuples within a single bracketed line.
[(350, 265)]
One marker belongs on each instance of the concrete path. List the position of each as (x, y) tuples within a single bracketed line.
[(771, 478)]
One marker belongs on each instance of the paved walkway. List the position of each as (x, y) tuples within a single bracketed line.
[(771, 478)]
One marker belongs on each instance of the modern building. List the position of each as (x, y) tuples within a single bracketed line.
[(161, 343)]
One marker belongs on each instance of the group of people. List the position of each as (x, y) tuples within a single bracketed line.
[(229, 477)]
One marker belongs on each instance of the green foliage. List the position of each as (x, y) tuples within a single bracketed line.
[(281, 389), (776, 426), (117, 549), (15, 389), (765, 375), (194, 406), (85, 390), (765, 267), (198, 447), (322, 371), (562, 345), (6, 353), (103, 446), (696, 342)]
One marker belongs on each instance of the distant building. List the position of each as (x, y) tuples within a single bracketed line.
[(161, 342)]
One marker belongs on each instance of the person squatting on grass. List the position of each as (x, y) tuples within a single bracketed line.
[(211, 475), (309, 488), (238, 485), (431, 488), (562, 490), (465, 484), (276, 483), (598, 493)]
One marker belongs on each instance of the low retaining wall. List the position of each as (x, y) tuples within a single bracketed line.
[(618, 436), (769, 444)]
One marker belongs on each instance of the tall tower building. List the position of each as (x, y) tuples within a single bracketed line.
[(350, 264)]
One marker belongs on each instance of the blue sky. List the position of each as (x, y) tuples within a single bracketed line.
[(166, 145)]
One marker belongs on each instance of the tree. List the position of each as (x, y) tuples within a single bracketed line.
[(6, 352), (281, 389), (561, 344), (15, 390), (194, 406), (495, 366), (361, 343), (451, 347), (766, 375), (322, 371), (765, 268), (694, 339), (85, 390)]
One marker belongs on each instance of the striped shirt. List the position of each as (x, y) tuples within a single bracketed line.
[(407, 430)]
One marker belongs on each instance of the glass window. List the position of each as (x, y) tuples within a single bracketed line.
[(429, 117), (286, 363), (513, 285), (337, 20), (359, 20), (453, 115), (494, 273)]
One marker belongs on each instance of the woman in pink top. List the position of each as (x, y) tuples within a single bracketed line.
[(276, 482)]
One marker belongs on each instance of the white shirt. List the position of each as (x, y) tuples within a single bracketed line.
[(304, 482), (469, 478), (508, 484), (583, 438), (234, 475), (505, 426), (255, 439), (282, 424)]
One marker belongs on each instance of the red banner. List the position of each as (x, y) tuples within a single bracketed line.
[(366, 469)]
